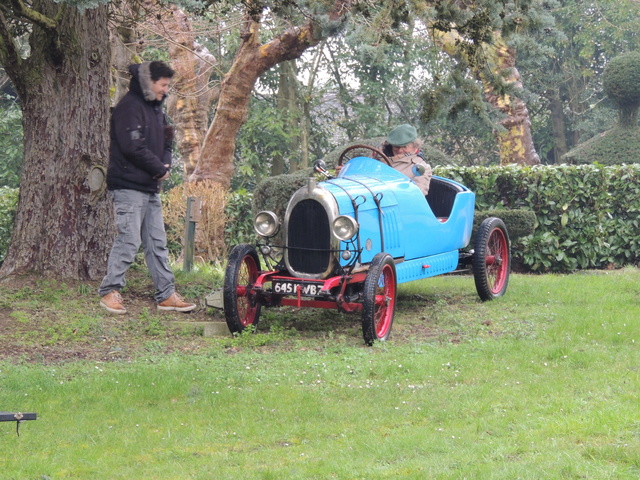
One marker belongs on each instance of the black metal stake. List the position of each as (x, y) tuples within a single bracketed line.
[(16, 417)]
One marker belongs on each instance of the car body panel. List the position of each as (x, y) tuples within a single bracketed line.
[(410, 228)]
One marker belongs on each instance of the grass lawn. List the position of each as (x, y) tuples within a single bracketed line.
[(540, 384)]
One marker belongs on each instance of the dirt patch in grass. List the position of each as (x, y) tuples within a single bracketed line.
[(48, 321)]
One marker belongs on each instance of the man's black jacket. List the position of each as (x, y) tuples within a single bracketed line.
[(140, 148)]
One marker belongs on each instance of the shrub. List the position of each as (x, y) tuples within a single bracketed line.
[(519, 222), (274, 193), (209, 242), (621, 144), (613, 147), (225, 220), (587, 216), (8, 207), (238, 211), (621, 83)]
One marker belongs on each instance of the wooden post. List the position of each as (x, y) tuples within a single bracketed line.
[(194, 205)]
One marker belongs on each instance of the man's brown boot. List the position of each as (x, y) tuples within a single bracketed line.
[(175, 302), (112, 301)]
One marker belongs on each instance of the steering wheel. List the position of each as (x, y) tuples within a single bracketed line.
[(366, 147)]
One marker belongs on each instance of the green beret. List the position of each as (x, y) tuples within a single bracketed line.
[(402, 135)]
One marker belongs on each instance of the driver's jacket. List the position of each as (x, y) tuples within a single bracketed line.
[(405, 163)]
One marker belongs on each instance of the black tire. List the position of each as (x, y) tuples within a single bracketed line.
[(241, 308), (379, 303), (492, 259)]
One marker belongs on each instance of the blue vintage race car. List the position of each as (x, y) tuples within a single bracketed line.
[(348, 241)]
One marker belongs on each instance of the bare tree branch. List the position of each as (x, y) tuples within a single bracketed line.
[(9, 56)]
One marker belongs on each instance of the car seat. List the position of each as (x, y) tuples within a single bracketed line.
[(441, 196)]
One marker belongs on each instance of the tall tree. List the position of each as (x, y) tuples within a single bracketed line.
[(253, 59), (397, 59), (191, 98), (477, 34), (500, 78), (569, 99), (288, 101), (63, 84)]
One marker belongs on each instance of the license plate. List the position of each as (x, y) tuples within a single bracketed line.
[(307, 289)]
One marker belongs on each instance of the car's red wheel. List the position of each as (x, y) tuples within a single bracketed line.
[(491, 259), (241, 308), (378, 306)]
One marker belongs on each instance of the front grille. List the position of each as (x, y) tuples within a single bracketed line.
[(308, 238)]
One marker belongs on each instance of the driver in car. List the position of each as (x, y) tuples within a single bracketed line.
[(402, 146)]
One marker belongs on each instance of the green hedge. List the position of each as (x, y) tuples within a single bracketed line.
[(587, 216), (8, 206), (614, 147), (519, 222)]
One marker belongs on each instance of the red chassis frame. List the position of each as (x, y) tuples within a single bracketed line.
[(338, 281)]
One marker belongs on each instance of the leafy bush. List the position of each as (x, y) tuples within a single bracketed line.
[(587, 216), (519, 222), (619, 145), (10, 142), (8, 206), (621, 83), (238, 211), (209, 242), (274, 193), (225, 220)]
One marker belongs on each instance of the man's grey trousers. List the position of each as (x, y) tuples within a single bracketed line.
[(139, 221)]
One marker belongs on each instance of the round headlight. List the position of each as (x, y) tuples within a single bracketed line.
[(266, 224), (345, 227)]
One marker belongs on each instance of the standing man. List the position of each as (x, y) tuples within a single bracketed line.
[(139, 160)]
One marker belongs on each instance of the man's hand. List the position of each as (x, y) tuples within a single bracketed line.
[(166, 175)]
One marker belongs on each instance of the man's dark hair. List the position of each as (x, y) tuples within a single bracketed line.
[(160, 70)]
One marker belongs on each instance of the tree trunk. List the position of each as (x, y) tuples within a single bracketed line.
[(63, 227), (514, 138), (288, 107), (190, 104), (516, 141), (216, 160), (556, 108)]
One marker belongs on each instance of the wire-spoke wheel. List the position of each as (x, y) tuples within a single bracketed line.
[(491, 259), (378, 306), (241, 308)]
